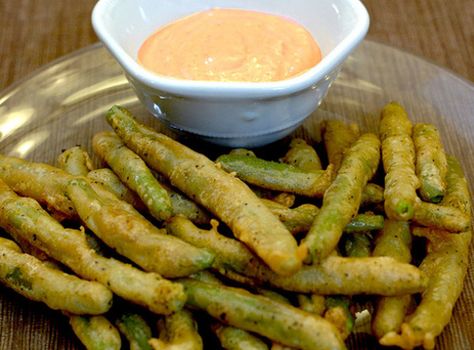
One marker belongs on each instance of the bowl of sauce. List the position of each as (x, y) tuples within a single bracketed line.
[(238, 73)]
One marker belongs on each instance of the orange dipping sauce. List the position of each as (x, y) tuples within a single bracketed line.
[(230, 45)]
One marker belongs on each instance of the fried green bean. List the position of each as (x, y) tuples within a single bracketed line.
[(96, 332), (280, 322), (372, 194), (457, 191), (75, 161), (440, 216), (47, 185), (302, 155), (178, 331), (338, 137), (398, 155), (313, 303), (394, 240), (357, 245), (37, 281), (42, 182), (179, 203), (277, 176), (431, 163), (136, 330), (335, 275), (338, 313), (219, 192), (110, 181), (25, 218), (299, 219), (232, 338), (135, 237), (342, 199), (365, 222), (133, 171), (446, 267)]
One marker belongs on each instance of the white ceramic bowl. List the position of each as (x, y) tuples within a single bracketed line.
[(235, 114)]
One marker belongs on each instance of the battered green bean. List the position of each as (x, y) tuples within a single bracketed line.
[(339, 315), (357, 245), (96, 332), (338, 137), (335, 275), (24, 217), (365, 222), (302, 155), (178, 331), (277, 176), (136, 330), (398, 155), (133, 171), (42, 182), (111, 182), (395, 241), (47, 185), (296, 220), (37, 281), (232, 338), (431, 163), (299, 219), (75, 161), (342, 199), (440, 216), (372, 194), (135, 237), (280, 322), (221, 193), (313, 303), (445, 265), (179, 203)]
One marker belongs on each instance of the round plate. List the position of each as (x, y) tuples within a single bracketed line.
[(64, 104)]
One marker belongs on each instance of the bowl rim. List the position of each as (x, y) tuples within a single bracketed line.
[(231, 90)]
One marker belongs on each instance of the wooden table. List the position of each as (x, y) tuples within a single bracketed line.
[(34, 33)]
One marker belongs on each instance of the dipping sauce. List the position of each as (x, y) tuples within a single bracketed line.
[(230, 45)]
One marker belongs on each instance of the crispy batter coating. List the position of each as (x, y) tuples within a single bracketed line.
[(221, 193), (178, 331), (277, 176), (37, 281), (135, 237), (342, 199), (133, 171), (446, 267), (75, 161), (431, 163), (398, 155), (335, 275), (24, 217), (440, 216), (278, 321), (395, 241), (135, 329), (302, 155), (96, 332), (232, 338), (338, 137)]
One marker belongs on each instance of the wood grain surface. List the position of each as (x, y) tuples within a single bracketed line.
[(36, 32)]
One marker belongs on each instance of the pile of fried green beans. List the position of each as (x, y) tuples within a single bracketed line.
[(161, 247)]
